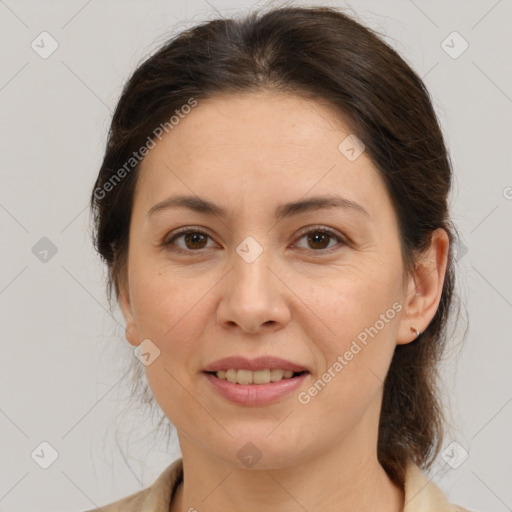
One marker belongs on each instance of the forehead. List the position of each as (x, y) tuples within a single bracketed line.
[(260, 118), (257, 146)]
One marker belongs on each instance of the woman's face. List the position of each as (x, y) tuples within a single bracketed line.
[(322, 288)]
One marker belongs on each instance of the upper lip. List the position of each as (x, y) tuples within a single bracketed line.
[(259, 363)]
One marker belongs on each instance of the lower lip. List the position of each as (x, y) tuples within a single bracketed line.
[(256, 394)]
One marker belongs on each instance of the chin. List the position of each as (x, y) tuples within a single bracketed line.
[(261, 453)]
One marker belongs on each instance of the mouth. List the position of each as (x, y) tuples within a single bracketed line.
[(252, 382)]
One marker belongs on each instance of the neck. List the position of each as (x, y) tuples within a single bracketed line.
[(340, 480)]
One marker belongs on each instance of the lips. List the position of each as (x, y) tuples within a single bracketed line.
[(256, 394), (259, 363)]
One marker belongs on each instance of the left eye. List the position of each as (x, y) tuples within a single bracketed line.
[(195, 240), (319, 238)]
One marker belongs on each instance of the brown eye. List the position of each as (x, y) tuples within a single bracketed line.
[(319, 239), (193, 240)]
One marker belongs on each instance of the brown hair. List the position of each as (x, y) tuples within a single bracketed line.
[(320, 53)]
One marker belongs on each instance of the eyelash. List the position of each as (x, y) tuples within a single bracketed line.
[(306, 231)]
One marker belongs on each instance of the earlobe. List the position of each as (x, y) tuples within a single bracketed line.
[(425, 289), (131, 328)]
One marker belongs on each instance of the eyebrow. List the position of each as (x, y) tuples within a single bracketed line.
[(204, 206)]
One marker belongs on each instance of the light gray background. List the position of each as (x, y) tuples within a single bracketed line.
[(63, 355)]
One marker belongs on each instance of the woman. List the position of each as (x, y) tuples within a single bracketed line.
[(272, 209)]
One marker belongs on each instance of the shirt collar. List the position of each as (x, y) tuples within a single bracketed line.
[(422, 495)]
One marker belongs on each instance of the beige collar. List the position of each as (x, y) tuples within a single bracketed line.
[(422, 495)]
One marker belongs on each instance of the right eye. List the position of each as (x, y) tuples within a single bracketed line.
[(193, 238)]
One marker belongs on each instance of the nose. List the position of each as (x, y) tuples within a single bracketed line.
[(254, 298)]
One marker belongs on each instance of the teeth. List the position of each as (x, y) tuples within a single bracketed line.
[(257, 377)]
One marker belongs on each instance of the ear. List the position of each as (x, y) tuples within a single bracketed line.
[(424, 288), (132, 334)]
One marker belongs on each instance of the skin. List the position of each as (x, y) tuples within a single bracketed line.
[(249, 154)]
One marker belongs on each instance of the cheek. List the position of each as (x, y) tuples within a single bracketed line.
[(170, 310), (353, 362), (346, 306), (354, 342), (165, 301), (172, 392)]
